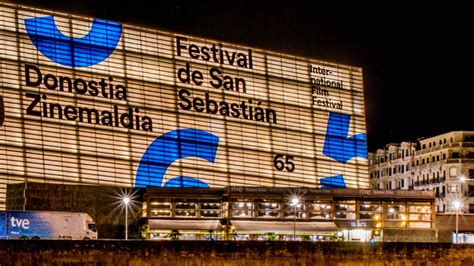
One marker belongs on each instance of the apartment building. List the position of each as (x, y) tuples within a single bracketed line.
[(390, 167), (443, 163)]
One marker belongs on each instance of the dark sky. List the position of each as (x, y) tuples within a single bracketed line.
[(417, 57)]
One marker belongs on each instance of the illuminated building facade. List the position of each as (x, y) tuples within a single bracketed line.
[(242, 213), (391, 167), (443, 164), (262, 213), (97, 102)]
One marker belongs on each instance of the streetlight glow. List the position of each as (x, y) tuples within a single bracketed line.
[(126, 200), (457, 205), (462, 178), (295, 201)]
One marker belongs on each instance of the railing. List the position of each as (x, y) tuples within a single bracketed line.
[(427, 182), (443, 146), (432, 164), (460, 160)]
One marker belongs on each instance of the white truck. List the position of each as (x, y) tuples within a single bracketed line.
[(46, 225)]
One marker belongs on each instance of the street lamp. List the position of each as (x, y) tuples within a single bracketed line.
[(462, 180), (125, 198), (457, 206), (126, 201), (294, 202)]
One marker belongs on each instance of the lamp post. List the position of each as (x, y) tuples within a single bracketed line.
[(294, 202), (457, 206), (126, 201)]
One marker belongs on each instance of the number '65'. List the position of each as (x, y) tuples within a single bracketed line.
[(283, 161)]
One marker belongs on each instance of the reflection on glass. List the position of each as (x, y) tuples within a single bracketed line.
[(160, 213), (211, 206), (297, 207), (210, 213), (185, 205), (268, 206), (291, 214), (394, 212), (420, 209), (367, 207), (185, 213), (241, 213), (160, 205), (267, 214), (320, 215), (318, 207), (366, 215), (242, 205), (345, 215)]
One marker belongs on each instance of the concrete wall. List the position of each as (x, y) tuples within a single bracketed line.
[(44, 252)]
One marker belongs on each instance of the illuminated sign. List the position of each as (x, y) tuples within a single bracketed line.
[(355, 224), (98, 102)]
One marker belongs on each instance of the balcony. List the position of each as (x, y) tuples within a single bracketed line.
[(444, 146), (460, 160)]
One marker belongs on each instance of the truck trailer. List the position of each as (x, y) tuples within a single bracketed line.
[(46, 225)]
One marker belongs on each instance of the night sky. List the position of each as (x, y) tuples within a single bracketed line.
[(417, 58)]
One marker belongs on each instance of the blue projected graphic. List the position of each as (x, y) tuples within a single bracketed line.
[(336, 181), (170, 147), (88, 50), (184, 181), (337, 145)]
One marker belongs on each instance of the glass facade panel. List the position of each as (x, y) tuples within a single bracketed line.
[(186, 205), (395, 212), (242, 214)]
